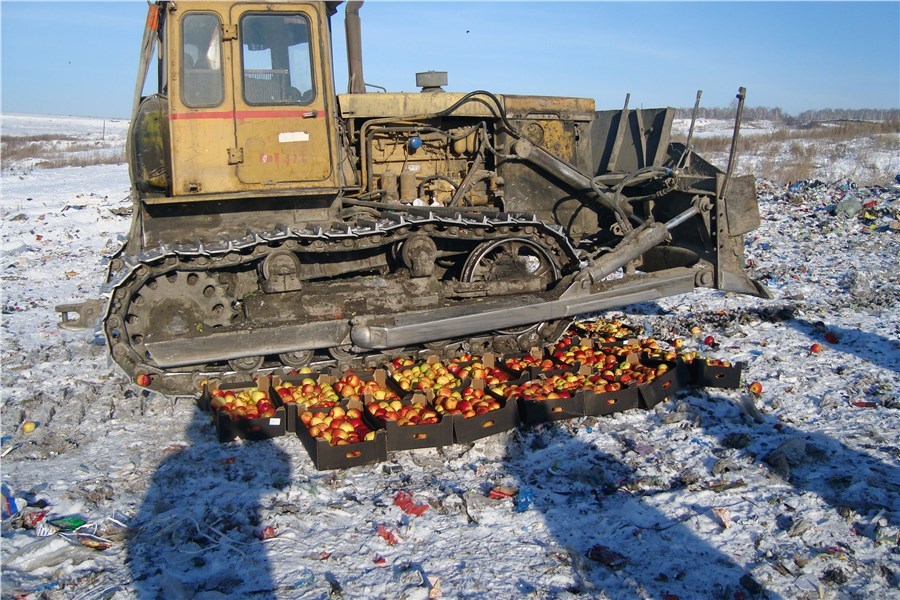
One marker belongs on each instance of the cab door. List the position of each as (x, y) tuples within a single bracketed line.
[(282, 96)]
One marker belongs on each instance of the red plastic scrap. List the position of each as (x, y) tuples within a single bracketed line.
[(267, 533), (865, 404), (831, 338), (31, 519), (502, 491), (379, 560), (405, 501), (389, 537)]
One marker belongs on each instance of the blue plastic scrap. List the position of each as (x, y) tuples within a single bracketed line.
[(524, 499)]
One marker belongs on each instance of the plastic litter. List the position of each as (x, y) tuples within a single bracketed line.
[(848, 207), (11, 505), (31, 519), (502, 491), (524, 499), (45, 529), (389, 537), (307, 578), (404, 499), (68, 523), (92, 541)]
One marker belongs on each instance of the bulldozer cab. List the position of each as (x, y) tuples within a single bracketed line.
[(248, 93)]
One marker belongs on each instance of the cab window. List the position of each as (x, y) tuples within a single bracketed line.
[(202, 84), (276, 59)]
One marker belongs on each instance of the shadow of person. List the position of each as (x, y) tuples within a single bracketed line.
[(583, 494), (810, 461), (197, 530)]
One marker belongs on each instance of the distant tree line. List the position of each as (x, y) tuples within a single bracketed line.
[(764, 113)]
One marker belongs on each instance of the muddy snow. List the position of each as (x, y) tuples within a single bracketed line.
[(713, 494)]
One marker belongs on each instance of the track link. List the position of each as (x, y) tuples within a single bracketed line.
[(131, 273)]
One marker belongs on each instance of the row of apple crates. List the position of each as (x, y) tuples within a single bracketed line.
[(453, 428)]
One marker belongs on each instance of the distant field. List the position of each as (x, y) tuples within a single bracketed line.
[(866, 152), (37, 141)]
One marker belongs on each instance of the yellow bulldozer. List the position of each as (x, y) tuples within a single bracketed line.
[(277, 222)]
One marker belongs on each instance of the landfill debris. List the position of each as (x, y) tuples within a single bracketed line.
[(389, 537), (267, 533), (501, 492), (724, 516), (28, 426), (737, 440), (92, 541), (11, 505), (404, 499), (68, 523), (848, 207), (607, 557), (31, 519), (719, 486), (835, 576), (524, 499)]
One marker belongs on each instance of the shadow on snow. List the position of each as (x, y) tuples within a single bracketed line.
[(206, 540)]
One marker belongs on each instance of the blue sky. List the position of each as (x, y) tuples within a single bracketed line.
[(80, 58)]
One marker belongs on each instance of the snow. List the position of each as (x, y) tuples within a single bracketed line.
[(870, 159), (645, 484)]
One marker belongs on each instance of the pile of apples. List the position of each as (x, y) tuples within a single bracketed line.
[(607, 331), (308, 392), (422, 376), (338, 426), (523, 363), (586, 355), (242, 404), (352, 387), (403, 414), (476, 369), (717, 362), (552, 388), (467, 402)]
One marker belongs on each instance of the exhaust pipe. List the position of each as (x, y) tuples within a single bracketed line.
[(356, 83)]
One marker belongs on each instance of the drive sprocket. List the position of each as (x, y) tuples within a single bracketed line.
[(176, 304)]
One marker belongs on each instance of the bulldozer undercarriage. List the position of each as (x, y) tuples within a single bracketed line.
[(185, 312)]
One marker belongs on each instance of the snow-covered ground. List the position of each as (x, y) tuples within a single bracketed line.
[(867, 159), (807, 473)]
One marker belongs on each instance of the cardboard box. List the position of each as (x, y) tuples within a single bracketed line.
[(487, 424), (263, 428), (664, 386), (208, 388), (466, 430), (410, 437), (531, 372), (532, 412), (608, 403), (707, 375), (432, 359), (325, 456), (293, 409)]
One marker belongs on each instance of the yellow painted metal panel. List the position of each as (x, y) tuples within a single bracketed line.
[(283, 142), (375, 105), (236, 147)]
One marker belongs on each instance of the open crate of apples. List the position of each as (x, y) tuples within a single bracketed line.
[(355, 417), (246, 410)]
